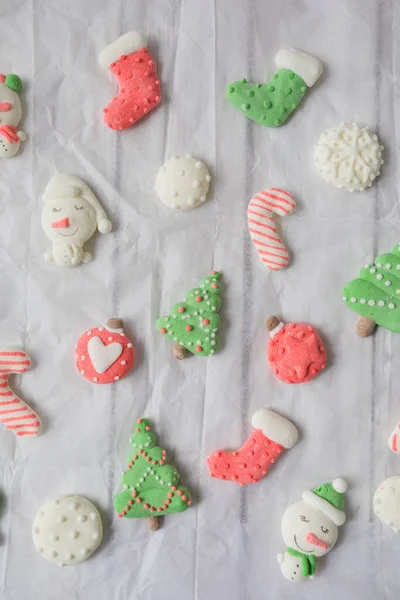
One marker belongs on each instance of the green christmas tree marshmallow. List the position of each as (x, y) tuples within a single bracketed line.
[(271, 103), (149, 484), (375, 295), (193, 322)]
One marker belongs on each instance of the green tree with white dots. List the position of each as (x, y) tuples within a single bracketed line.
[(375, 294), (193, 323)]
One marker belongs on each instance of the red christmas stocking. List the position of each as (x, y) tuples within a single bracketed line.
[(271, 435), (135, 70)]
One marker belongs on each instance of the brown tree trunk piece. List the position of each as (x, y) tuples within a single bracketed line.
[(154, 523), (115, 323), (365, 327), (179, 351), (271, 323)]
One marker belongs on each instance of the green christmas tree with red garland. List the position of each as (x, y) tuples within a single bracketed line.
[(150, 486), (192, 323)]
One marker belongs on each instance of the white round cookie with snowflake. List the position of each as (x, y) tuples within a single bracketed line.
[(387, 502), (67, 530), (349, 157), (182, 182)]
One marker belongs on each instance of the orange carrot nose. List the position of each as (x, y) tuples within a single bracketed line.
[(61, 224), (315, 541)]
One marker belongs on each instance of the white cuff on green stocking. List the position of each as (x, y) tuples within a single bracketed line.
[(305, 65)]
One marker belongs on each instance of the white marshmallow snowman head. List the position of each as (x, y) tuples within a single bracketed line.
[(72, 212), (308, 530), (10, 104), (311, 525), (69, 220)]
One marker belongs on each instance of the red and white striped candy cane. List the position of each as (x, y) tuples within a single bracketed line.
[(394, 439), (14, 412), (262, 228)]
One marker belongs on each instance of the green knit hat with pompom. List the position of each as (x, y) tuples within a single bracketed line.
[(329, 499), (13, 82)]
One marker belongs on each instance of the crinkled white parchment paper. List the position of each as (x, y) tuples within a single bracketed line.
[(225, 546)]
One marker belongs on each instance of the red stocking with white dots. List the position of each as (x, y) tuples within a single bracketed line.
[(271, 435), (139, 89)]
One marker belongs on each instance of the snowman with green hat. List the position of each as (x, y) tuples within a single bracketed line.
[(310, 529), (10, 115)]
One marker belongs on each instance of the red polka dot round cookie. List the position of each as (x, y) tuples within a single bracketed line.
[(104, 354), (295, 351)]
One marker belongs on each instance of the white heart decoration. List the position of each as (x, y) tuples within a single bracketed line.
[(103, 356)]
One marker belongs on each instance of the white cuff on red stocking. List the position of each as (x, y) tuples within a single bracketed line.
[(275, 427), (125, 45)]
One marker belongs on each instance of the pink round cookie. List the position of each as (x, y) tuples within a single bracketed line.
[(104, 354), (295, 351)]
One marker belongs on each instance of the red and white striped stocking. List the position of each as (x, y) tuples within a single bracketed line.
[(14, 412)]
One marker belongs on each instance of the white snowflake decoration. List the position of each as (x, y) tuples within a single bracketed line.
[(349, 157)]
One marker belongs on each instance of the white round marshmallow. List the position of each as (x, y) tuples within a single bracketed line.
[(182, 182), (67, 530), (349, 157), (387, 502)]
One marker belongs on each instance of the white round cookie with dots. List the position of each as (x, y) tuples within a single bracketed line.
[(349, 157), (67, 530), (387, 502), (182, 182)]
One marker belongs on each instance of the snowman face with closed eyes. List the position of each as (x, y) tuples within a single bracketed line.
[(308, 530), (10, 106), (69, 220)]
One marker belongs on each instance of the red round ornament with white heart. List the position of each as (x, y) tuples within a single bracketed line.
[(104, 354)]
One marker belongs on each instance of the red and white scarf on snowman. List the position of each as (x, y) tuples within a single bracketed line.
[(10, 133)]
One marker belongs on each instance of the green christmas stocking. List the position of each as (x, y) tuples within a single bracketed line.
[(149, 485), (375, 295), (193, 322), (271, 103)]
